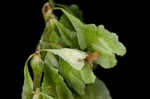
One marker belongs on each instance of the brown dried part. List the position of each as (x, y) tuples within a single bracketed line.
[(79, 60), (36, 57), (91, 57), (47, 8)]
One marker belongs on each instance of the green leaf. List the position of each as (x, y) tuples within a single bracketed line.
[(74, 57), (98, 90), (50, 45), (63, 92), (37, 67), (52, 76), (108, 45), (76, 11), (111, 41), (45, 96), (77, 79), (87, 74), (66, 22), (54, 37), (72, 79), (28, 83), (65, 33), (78, 28), (49, 29), (90, 34), (49, 88), (97, 39), (50, 37), (68, 36), (56, 46), (51, 60), (106, 59)]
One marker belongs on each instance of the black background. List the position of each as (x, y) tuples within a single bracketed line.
[(118, 17)]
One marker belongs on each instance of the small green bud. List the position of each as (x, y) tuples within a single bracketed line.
[(47, 11), (36, 64)]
